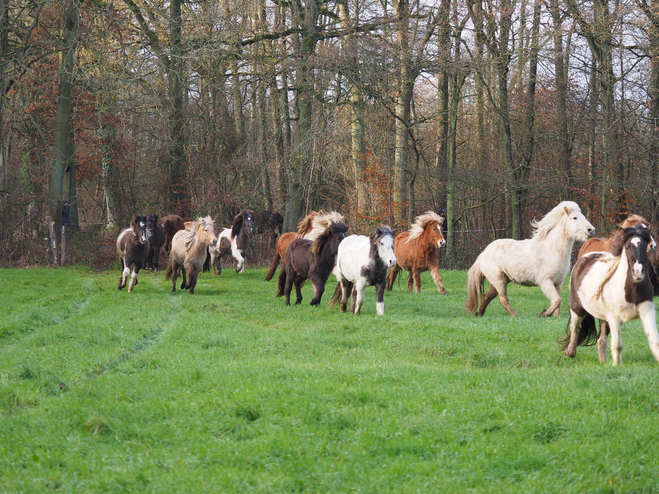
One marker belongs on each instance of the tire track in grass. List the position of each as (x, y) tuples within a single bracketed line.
[(143, 343)]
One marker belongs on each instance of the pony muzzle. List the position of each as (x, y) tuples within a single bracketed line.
[(638, 272)]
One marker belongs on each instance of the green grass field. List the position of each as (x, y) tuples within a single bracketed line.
[(228, 390)]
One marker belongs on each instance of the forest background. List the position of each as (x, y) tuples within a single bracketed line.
[(493, 109)]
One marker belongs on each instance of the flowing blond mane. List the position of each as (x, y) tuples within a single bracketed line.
[(553, 218), (322, 222), (303, 226), (422, 221)]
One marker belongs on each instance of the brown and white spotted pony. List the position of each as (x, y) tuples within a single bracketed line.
[(360, 262), (314, 260), (304, 228), (612, 287), (233, 241), (189, 251), (155, 233), (417, 250), (133, 249), (543, 260)]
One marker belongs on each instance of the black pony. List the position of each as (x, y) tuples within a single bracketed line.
[(155, 234), (313, 260)]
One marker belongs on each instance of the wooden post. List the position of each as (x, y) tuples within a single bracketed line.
[(53, 241), (63, 245)]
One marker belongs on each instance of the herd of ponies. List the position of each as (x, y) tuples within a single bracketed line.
[(610, 280)]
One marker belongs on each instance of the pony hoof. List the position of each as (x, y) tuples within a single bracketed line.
[(344, 307), (443, 292), (314, 302), (297, 302), (570, 354)]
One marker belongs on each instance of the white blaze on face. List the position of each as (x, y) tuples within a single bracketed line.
[(441, 243), (143, 231), (386, 250), (637, 271)]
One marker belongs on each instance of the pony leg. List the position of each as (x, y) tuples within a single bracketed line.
[(175, 270), (503, 299), (417, 280), (318, 290), (192, 282), (184, 283), (346, 288), (360, 287), (549, 289), (393, 273), (434, 271), (602, 340), (616, 341), (133, 278), (648, 317), (124, 275), (410, 281), (353, 299), (487, 298), (156, 257), (379, 298), (574, 324), (298, 291)]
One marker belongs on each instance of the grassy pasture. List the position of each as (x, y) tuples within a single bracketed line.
[(228, 390)]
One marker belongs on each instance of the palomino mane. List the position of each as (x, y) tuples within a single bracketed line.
[(321, 230), (553, 219), (422, 221), (191, 231), (304, 225)]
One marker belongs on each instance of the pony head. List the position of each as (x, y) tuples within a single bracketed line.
[(242, 221), (431, 223), (201, 229), (636, 240), (382, 241), (635, 219), (151, 225), (138, 225), (567, 215)]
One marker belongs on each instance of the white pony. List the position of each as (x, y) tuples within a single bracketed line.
[(543, 260), (612, 287), (363, 261)]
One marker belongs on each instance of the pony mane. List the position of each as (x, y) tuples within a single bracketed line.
[(304, 225), (322, 225), (321, 222), (422, 221), (640, 229), (553, 218), (237, 224), (382, 231)]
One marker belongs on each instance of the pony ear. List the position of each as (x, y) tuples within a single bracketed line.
[(567, 211)]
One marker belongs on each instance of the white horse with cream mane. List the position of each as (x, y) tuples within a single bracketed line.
[(542, 260)]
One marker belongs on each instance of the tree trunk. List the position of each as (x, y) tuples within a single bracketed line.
[(444, 57), (61, 149), (4, 81), (178, 192), (404, 97), (653, 149)]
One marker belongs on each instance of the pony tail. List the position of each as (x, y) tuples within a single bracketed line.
[(168, 273), (281, 283), (336, 298), (475, 282), (393, 272), (587, 335), (273, 267), (207, 263)]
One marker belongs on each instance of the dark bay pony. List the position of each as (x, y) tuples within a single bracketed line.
[(189, 251), (303, 229), (172, 224), (417, 250), (133, 249), (314, 260), (363, 261), (155, 233), (233, 241), (612, 287)]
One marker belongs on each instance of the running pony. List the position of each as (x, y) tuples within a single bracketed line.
[(304, 228), (188, 251), (363, 261), (612, 287), (417, 250), (233, 241), (543, 260), (133, 249)]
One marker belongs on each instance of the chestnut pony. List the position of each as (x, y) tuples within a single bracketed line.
[(189, 250), (172, 224), (417, 250), (598, 244), (304, 227)]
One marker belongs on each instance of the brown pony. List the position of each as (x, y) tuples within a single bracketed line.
[(172, 224), (304, 227), (598, 244), (188, 251), (417, 250)]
